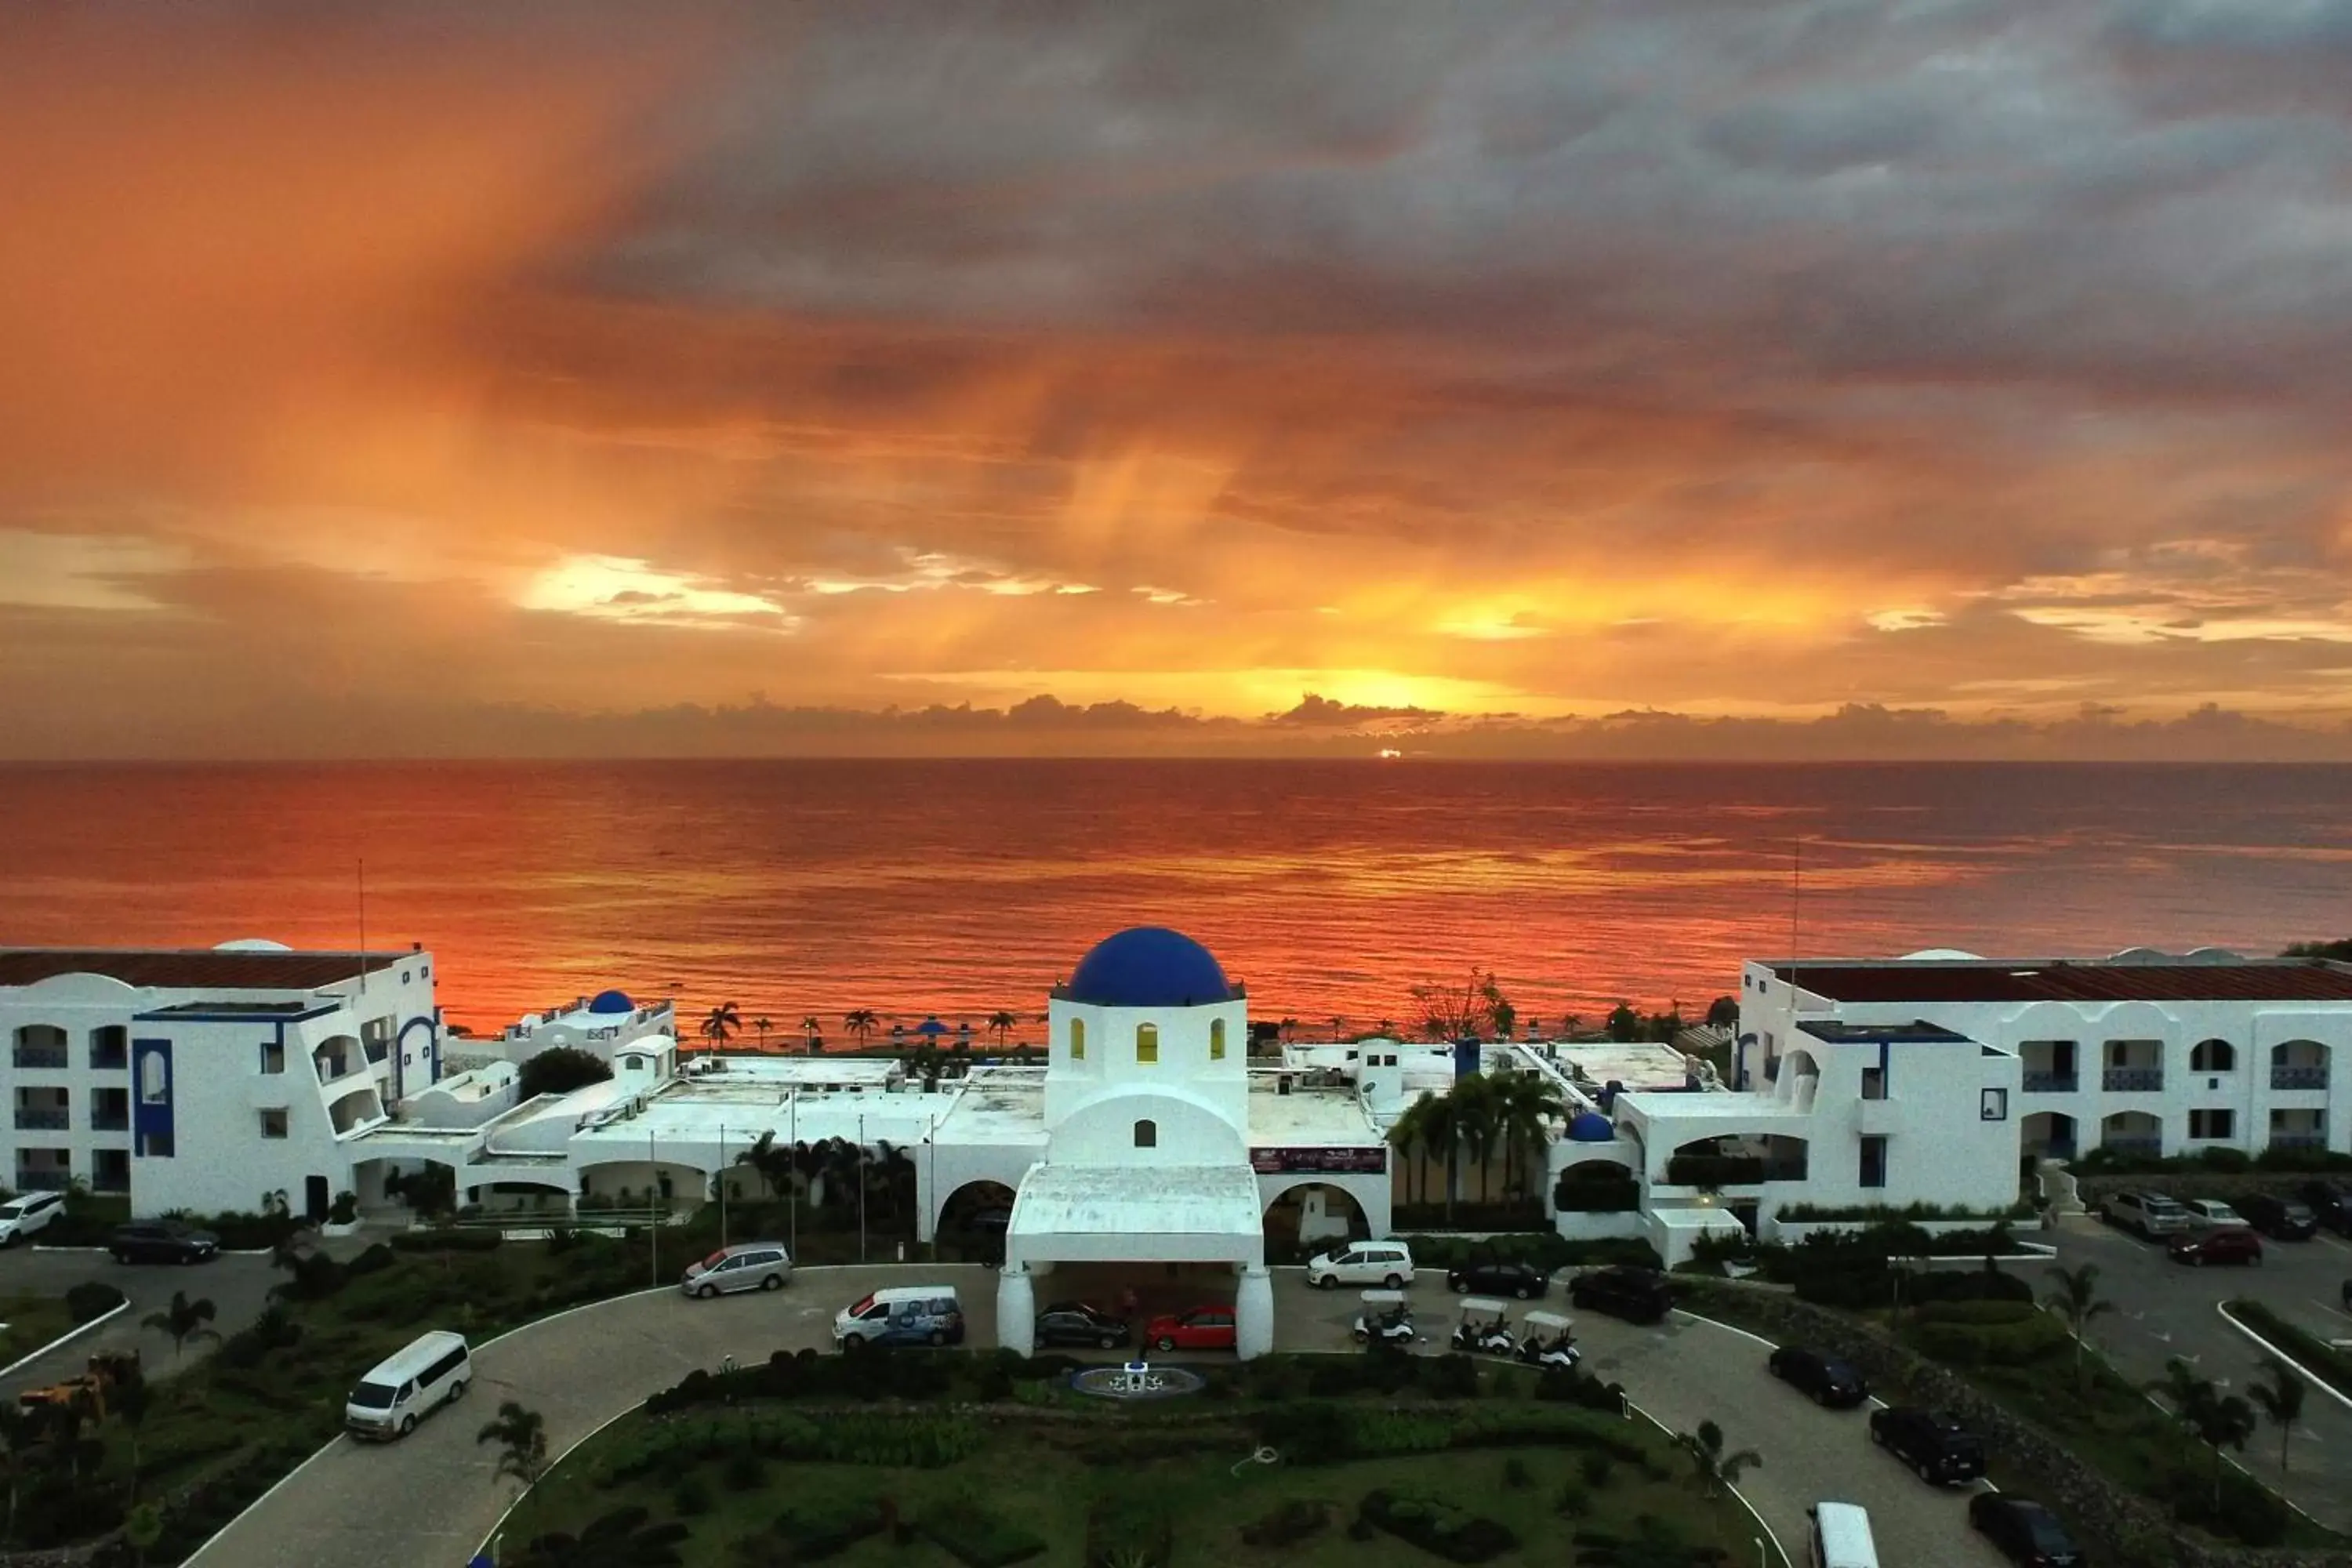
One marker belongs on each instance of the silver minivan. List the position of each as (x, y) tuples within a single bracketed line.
[(746, 1265)]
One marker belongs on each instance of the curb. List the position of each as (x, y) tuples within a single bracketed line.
[(2301, 1370), (102, 1252), (498, 1527), (1769, 1533), (70, 1335)]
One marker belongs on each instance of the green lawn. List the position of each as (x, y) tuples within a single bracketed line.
[(1046, 1478), (33, 1322)]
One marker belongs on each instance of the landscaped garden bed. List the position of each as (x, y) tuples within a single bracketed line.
[(32, 1322)]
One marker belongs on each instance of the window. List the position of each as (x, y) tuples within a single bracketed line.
[(2211, 1123), (1147, 1043), (154, 1145), (1078, 1039), (273, 1124), (1147, 1135), (273, 1056), (2213, 1056), (154, 1079), (1874, 1083), (1873, 1162), (1216, 1039)]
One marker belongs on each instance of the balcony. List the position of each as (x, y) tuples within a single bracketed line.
[(2053, 1082), (42, 1119), (109, 1122), (106, 1181), (2299, 1078), (2133, 1145), (2132, 1080), (41, 1055), (114, 1060), (2299, 1141), (44, 1181)]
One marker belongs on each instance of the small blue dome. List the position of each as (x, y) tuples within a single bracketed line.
[(612, 1002), (1149, 966), (1590, 1127)]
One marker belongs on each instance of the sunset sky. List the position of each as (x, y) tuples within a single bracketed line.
[(1801, 378)]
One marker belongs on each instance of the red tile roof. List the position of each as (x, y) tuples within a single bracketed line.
[(2058, 980), (194, 969)]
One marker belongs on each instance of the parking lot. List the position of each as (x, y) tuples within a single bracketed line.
[(239, 1288), (2165, 1308)]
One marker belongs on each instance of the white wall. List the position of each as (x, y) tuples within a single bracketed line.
[(1184, 1063)]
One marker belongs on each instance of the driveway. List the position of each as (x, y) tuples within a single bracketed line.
[(2164, 1308), (239, 1288)]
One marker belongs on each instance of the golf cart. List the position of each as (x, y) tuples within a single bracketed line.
[(1386, 1319), (1486, 1326), (1547, 1341)]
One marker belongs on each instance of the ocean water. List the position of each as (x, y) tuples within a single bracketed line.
[(962, 887)]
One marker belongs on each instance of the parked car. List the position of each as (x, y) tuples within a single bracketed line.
[(2024, 1532), (1522, 1281), (161, 1241), (1837, 1535), (1636, 1295), (21, 1218), (2236, 1244), (2281, 1219), (1201, 1329), (901, 1315), (1932, 1442), (2211, 1214), (2150, 1215), (1387, 1264), (1077, 1323), (1829, 1379), (746, 1265), (2331, 1203)]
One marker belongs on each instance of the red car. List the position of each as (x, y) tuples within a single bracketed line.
[(1201, 1329), (2232, 1244)]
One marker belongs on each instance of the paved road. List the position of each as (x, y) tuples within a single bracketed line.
[(2165, 1309), (238, 1287), (583, 1369)]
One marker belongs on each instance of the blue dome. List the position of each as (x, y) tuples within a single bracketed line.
[(612, 1002), (1149, 966), (1590, 1127)]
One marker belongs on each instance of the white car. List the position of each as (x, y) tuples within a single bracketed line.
[(22, 1219), (2211, 1214), (1387, 1264)]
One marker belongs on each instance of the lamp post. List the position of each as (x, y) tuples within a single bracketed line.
[(722, 1188), (652, 1195), (861, 1186), (793, 1181)]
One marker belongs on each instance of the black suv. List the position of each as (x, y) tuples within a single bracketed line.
[(1636, 1295), (1077, 1323), (2281, 1219), (1944, 1452), (2330, 1204), (1520, 1279), (1828, 1379), (2023, 1531), (161, 1241)]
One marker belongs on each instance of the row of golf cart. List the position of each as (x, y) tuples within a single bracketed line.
[(1481, 1327)]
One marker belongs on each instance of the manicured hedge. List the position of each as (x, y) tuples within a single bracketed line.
[(446, 1238), (1545, 1250), (975, 1537), (2314, 1355), (1437, 1527), (90, 1301)]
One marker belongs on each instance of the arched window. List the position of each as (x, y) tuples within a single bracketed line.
[(1078, 1039), (2213, 1056), (1147, 1134), (1147, 1043), (1216, 1039)]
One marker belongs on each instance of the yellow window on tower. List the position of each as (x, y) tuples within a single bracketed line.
[(1147, 1043), (1216, 1039), (1078, 1039)]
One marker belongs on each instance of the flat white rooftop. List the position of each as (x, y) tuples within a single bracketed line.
[(1636, 1064), (1138, 1201), (1714, 1106), (1307, 1117)]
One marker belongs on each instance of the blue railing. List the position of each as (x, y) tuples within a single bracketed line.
[(2052, 1082), (2299, 1078), (2132, 1080)]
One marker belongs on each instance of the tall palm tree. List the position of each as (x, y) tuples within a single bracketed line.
[(2074, 1296), (771, 1160), (2213, 1418), (522, 1436), (1716, 1471), (1002, 1024), (1409, 1136), (184, 1321), (814, 1027), (1529, 1103), (719, 1023), (1441, 1128), (861, 1022), (1478, 1113), (2280, 1399), (764, 1026)]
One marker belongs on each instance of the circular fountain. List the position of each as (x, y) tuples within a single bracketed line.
[(1136, 1380)]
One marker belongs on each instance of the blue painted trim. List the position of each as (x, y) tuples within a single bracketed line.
[(150, 1120), (400, 1051)]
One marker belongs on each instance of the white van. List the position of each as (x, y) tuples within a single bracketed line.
[(901, 1315), (403, 1389), (1387, 1264), (1839, 1536)]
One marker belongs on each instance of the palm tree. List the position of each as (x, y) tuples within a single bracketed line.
[(184, 1321), (1409, 1136), (720, 1022), (772, 1161), (522, 1436), (1441, 1128), (1479, 1115), (814, 1027), (764, 1026), (1002, 1024), (2280, 1399), (861, 1022), (1288, 1026), (1529, 1103), (142, 1527), (2074, 1295), (1337, 1024), (1717, 1471), (1387, 1027), (2213, 1418)]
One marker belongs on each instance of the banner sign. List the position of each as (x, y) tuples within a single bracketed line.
[(1339, 1162)]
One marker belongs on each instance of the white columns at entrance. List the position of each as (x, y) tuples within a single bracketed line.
[(1016, 1311), (1253, 1312)]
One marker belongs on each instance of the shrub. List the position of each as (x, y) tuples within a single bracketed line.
[(1293, 1522), (2322, 1360), (344, 1210), (446, 1238), (815, 1530), (745, 1472), (2036, 1335), (974, 1537), (2231, 1162), (1596, 1470), (1571, 1499), (559, 1071), (90, 1301), (692, 1496), (375, 1260), (1515, 1473), (1438, 1528)]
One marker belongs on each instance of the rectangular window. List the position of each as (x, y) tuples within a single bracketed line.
[(1217, 1040), (2211, 1123), (154, 1145), (273, 1124), (1873, 1162), (1874, 1083), (1147, 1043), (1078, 1039), (273, 1056)]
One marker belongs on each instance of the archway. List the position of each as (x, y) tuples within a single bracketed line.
[(972, 1223), (2132, 1132), (2299, 1064), (1800, 1078), (1309, 1217), (2212, 1055), (2049, 1134)]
